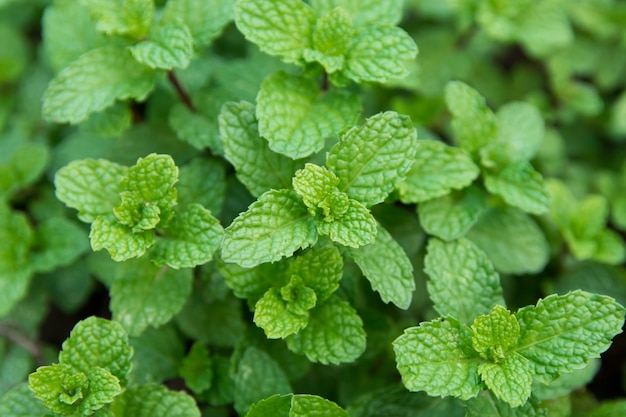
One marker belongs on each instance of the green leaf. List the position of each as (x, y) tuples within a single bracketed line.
[(118, 239), (473, 123), (21, 402), (202, 181), (60, 243), (487, 405), (197, 369), (387, 267), (157, 354), (252, 283), (520, 186), (320, 269), (370, 159), (94, 82), (495, 333), (258, 376), (145, 295), (276, 225), (122, 17), (334, 334), (110, 122), (90, 186), (154, 401), (437, 357), (280, 27), (438, 169), (96, 342), (300, 298), (314, 184), (168, 46), (272, 314), (379, 53), (356, 226), (205, 19), (512, 241), (296, 405), (562, 332), (452, 216), (463, 283), (610, 409), (257, 167), (511, 380), (364, 12), (296, 117), (567, 382), (331, 39)]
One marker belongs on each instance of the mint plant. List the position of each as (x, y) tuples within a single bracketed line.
[(277, 208)]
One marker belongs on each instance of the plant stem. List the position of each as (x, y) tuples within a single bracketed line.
[(30, 346), (180, 90)]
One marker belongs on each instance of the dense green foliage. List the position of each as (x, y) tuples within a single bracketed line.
[(278, 208)]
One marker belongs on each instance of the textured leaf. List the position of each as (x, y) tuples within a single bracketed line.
[(331, 39), (387, 267), (21, 402), (110, 122), (364, 12), (334, 334), (90, 186), (474, 124), (296, 405), (562, 332), (313, 183), (154, 401), (118, 239), (252, 283), (438, 169), (463, 283), (60, 243), (123, 17), (94, 82), (202, 181), (378, 53), (280, 27), (511, 240), (567, 382), (205, 18), (370, 159), (356, 226), (452, 216), (195, 128), (511, 380), (296, 118), (520, 186), (486, 405), (276, 225), (145, 295), (96, 342), (437, 357), (258, 376), (197, 369), (169, 46), (320, 269), (495, 333), (257, 167), (272, 314), (300, 298)]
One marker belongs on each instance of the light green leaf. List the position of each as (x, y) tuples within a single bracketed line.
[(22, 167), (610, 409), (300, 298), (334, 334), (463, 283), (21, 402), (96, 342), (276, 225), (320, 269), (122, 17), (487, 405), (296, 405), (437, 357), (567, 382), (370, 159), (168, 46), (154, 401), (452, 216), (495, 333), (314, 184), (272, 314), (331, 39), (258, 376), (520, 186), (118, 239), (296, 117), (511, 380), (251, 283), (512, 241), (205, 18), (110, 122), (364, 12), (438, 169), (90, 186), (545, 28), (257, 167), (379, 53), (356, 226), (197, 369), (474, 123), (562, 332), (387, 267), (145, 295), (279, 27), (94, 82), (202, 181), (195, 128), (59, 242)]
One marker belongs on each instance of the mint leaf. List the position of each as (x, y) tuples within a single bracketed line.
[(370, 159), (473, 123), (257, 167), (281, 27), (331, 40), (300, 298), (122, 17), (562, 332), (157, 354), (202, 181), (512, 241), (520, 186), (272, 314), (437, 357), (194, 128), (205, 19), (197, 369), (320, 269), (487, 405), (378, 53), (438, 169), (463, 282), (452, 216), (364, 12), (119, 240), (257, 377), (110, 122), (354, 228), (387, 267), (154, 401), (296, 118), (510, 380), (94, 82), (276, 225), (495, 333), (334, 334), (145, 295), (168, 46), (609, 409), (21, 402), (60, 243), (296, 405), (315, 184), (90, 186), (252, 283), (567, 382)]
